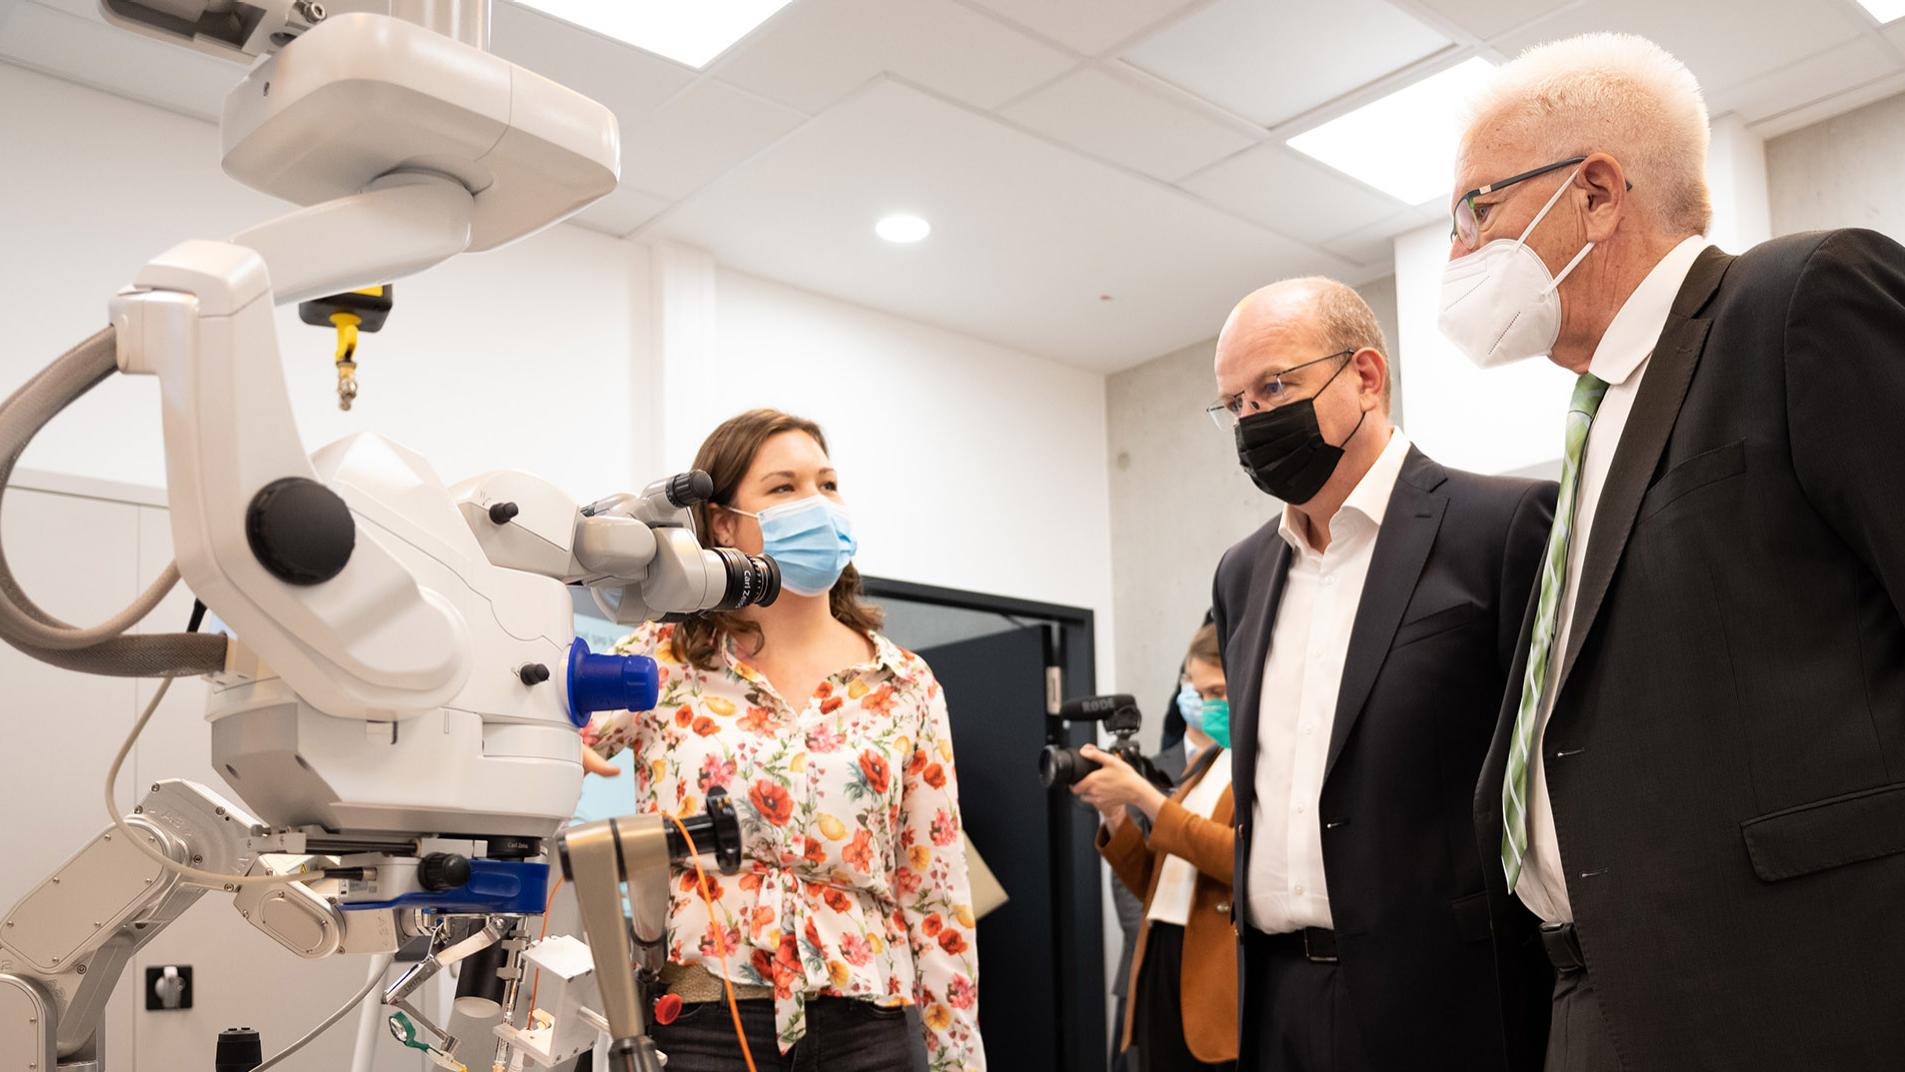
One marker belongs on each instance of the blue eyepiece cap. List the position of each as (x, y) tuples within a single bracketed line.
[(609, 683)]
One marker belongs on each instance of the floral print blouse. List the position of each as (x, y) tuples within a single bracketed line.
[(853, 878)]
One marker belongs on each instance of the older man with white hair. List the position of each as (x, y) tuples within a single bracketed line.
[(1698, 779)]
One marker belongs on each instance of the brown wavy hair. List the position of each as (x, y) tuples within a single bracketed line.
[(726, 455)]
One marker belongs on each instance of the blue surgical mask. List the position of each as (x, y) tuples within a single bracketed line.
[(810, 539), (1191, 706)]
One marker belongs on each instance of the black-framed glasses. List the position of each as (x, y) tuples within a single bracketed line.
[(1269, 393), (1466, 227)]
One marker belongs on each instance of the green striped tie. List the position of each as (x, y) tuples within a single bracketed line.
[(1588, 392)]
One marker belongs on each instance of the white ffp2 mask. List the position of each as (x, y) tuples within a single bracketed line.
[(1499, 303)]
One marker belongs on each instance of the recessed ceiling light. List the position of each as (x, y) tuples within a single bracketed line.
[(1884, 10), (901, 227), (1402, 144), (692, 32)]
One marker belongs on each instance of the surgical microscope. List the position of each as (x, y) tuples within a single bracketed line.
[(396, 696)]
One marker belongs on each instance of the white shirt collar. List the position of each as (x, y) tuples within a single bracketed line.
[(1367, 501), (1631, 335)]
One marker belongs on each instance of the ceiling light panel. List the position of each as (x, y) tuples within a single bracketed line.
[(1884, 10), (690, 33), (1402, 144)]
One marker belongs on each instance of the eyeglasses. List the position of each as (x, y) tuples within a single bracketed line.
[(1466, 227), (1269, 393)]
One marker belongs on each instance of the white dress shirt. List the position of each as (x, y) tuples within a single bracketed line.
[(1177, 882), (1621, 360), (1302, 675)]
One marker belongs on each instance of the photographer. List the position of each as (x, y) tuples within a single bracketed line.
[(852, 899), (1183, 1009)]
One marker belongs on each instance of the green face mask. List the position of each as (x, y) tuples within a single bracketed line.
[(1216, 722)]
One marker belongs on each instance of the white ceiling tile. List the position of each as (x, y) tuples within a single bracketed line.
[(1270, 62), (119, 61), (1723, 42), (1277, 188), (1088, 26), (1828, 74), (1026, 235), (688, 142), (817, 51), (621, 212), (1806, 115), (1374, 244), (630, 82), (1110, 118), (1895, 32), (1486, 18)]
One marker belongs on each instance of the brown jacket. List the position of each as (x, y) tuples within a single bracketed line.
[(1209, 982)]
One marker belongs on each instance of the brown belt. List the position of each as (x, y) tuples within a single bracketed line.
[(692, 983)]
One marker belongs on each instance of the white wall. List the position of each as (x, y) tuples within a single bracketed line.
[(1843, 172), (967, 464)]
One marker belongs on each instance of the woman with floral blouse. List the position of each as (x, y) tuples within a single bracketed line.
[(852, 900)]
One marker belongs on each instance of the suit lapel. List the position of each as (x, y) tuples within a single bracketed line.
[(1253, 631), (1656, 408), (1410, 523)]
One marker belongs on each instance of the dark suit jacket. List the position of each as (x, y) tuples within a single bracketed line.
[(1726, 756), (1427, 664)]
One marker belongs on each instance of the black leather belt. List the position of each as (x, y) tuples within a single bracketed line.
[(1563, 946), (1311, 943)]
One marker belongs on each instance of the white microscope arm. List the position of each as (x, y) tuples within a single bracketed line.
[(257, 535)]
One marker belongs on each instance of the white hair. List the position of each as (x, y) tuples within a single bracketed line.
[(1608, 93)]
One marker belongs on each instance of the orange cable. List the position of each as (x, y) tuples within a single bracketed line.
[(545, 934), (720, 940)]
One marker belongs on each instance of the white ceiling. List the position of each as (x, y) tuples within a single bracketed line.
[(1104, 177)]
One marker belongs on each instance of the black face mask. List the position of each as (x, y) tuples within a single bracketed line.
[(1284, 451)]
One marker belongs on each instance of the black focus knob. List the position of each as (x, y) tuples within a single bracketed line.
[(533, 673), (503, 512), (300, 531), (239, 1050), (689, 488), (441, 871)]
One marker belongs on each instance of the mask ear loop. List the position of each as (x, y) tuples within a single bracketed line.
[(1552, 198), (1539, 216), (1325, 387)]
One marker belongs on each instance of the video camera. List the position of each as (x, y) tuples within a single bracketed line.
[(1119, 713)]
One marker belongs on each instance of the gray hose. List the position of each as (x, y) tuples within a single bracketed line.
[(100, 649)]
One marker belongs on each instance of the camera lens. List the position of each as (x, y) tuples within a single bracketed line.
[(753, 580), (1062, 766), (1054, 766)]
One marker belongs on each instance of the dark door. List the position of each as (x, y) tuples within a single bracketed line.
[(995, 688)]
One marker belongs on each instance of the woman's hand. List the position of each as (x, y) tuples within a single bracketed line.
[(594, 764), (1114, 785)]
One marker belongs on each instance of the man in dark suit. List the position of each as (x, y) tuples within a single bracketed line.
[(1367, 636), (1698, 778)]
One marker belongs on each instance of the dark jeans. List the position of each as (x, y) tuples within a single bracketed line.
[(843, 1035), (1157, 1027)]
